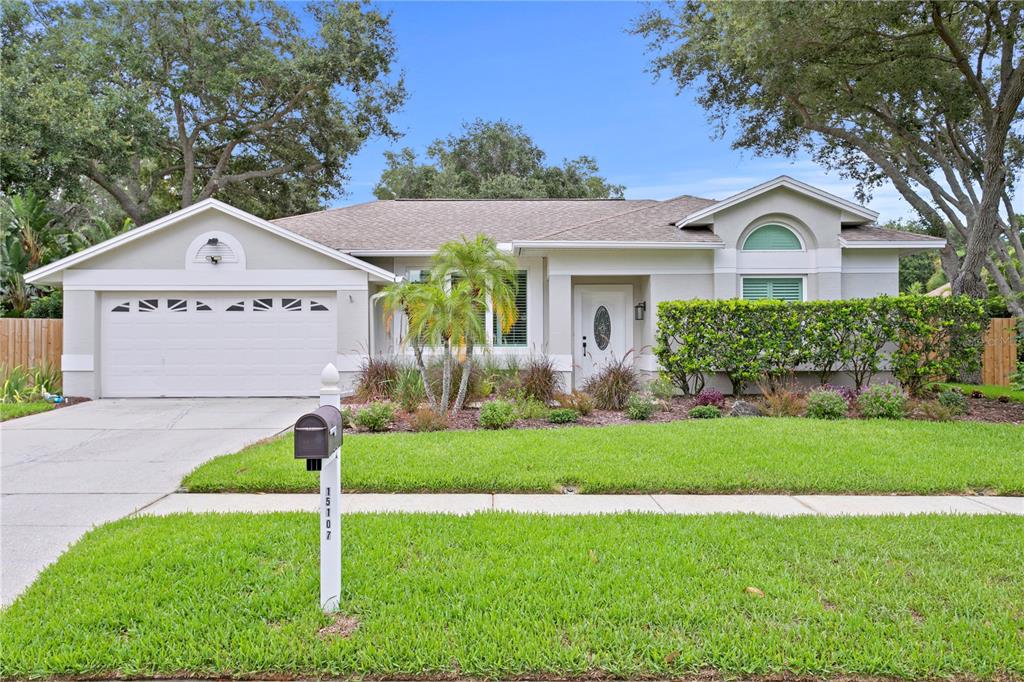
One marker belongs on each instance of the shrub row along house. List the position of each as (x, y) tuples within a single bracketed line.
[(213, 301)]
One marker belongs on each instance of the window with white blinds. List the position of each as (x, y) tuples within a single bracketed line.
[(516, 336), (779, 288)]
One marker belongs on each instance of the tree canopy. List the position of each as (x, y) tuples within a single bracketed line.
[(490, 160), (924, 94), (163, 103)]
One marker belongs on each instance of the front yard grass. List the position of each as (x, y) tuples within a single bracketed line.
[(990, 391), (503, 596), (15, 410), (695, 456)]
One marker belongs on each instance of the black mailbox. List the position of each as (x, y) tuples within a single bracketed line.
[(317, 436)]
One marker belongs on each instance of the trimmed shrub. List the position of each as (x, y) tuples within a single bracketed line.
[(640, 407), (924, 338), (497, 414), (710, 396), (538, 378), (347, 417), (938, 339), (954, 400), (705, 412), (613, 384), (376, 417), (425, 419), (563, 415), (883, 401), (377, 377), (577, 400), (825, 403)]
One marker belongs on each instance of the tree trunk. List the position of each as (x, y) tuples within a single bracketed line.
[(446, 377), (427, 389), (467, 368)]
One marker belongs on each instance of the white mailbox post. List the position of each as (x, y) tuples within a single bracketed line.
[(318, 437), (330, 503)]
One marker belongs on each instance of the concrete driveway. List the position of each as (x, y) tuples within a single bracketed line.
[(65, 471)]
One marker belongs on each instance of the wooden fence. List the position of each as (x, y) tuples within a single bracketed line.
[(30, 342), (999, 359)]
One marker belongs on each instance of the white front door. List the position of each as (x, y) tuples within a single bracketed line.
[(209, 343), (603, 328)]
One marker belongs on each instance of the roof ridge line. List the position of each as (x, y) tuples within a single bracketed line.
[(619, 215)]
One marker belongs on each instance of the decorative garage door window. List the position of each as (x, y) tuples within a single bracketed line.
[(602, 327), (182, 305)]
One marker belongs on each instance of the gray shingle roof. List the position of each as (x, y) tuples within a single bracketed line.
[(652, 223), (870, 233), (425, 224)]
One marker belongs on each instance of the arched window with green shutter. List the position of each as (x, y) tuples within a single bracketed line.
[(772, 238)]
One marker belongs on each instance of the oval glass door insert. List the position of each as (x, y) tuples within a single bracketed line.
[(602, 327)]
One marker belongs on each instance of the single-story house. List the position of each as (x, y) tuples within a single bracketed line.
[(213, 301)]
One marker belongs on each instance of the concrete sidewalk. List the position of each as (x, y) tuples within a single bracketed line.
[(771, 505)]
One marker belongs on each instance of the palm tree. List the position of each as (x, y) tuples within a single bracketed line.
[(407, 298), (489, 276)]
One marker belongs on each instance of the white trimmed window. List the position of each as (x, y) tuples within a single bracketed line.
[(516, 335), (777, 288)]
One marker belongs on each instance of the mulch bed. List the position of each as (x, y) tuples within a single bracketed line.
[(980, 410), (994, 411), (70, 400)]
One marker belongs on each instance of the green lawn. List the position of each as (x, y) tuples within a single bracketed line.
[(502, 596), (15, 410), (991, 391), (696, 456)]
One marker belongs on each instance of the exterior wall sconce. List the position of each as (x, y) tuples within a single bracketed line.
[(639, 309)]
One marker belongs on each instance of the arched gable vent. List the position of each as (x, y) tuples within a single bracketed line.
[(215, 250), (772, 237)]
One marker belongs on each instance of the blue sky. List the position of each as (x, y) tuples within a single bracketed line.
[(570, 74)]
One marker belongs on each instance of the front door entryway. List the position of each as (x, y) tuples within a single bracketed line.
[(603, 327)]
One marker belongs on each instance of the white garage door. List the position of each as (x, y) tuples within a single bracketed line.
[(216, 344)]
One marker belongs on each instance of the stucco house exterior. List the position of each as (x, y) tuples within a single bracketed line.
[(213, 301)]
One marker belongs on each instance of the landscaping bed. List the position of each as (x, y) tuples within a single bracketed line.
[(980, 409), (750, 455), (500, 596)]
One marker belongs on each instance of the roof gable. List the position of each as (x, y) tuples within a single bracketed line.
[(705, 215), (49, 271)]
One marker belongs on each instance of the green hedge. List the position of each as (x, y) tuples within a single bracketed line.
[(920, 338)]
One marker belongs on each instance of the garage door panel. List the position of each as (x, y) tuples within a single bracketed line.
[(191, 344)]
